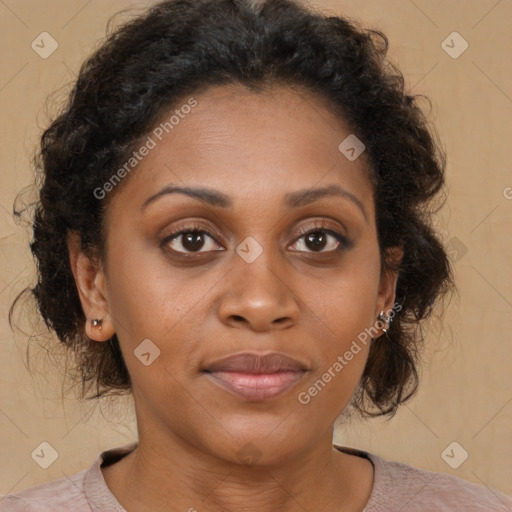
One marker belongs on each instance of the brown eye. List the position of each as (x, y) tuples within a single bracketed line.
[(190, 240), (323, 240)]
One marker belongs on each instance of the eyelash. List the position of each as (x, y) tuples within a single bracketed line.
[(343, 242)]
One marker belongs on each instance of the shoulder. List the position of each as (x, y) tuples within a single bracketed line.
[(398, 486), (85, 491), (54, 496), (419, 489)]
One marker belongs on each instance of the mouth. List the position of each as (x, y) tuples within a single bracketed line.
[(256, 377), (252, 386)]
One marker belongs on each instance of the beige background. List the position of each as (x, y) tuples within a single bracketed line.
[(466, 390)]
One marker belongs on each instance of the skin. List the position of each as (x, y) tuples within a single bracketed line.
[(255, 148)]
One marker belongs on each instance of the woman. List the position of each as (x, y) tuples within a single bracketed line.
[(233, 225)]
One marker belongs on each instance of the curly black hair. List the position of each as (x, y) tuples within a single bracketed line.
[(179, 47)]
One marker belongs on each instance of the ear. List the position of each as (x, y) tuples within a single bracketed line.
[(90, 282), (387, 287)]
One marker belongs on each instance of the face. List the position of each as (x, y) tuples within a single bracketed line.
[(250, 279)]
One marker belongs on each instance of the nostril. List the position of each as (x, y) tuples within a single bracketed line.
[(284, 322)]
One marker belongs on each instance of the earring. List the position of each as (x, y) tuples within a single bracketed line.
[(386, 319), (97, 322)]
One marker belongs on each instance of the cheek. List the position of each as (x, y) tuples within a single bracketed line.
[(144, 297), (150, 301), (344, 304), (342, 313), (342, 358)]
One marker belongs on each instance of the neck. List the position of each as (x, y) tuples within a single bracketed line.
[(167, 471)]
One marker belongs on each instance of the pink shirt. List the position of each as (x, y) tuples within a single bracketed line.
[(396, 487)]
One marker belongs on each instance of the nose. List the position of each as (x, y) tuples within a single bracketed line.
[(258, 296)]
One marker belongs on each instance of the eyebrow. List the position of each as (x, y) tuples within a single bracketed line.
[(292, 199)]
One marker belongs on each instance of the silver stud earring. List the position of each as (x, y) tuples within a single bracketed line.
[(386, 319), (97, 322)]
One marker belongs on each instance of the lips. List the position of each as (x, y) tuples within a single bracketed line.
[(250, 362), (254, 376)]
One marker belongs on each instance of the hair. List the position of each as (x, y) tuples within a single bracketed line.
[(178, 47)]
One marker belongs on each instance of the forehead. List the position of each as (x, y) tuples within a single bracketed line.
[(252, 145)]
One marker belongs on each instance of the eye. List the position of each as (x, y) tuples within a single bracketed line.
[(194, 239), (190, 238), (320, 237)]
